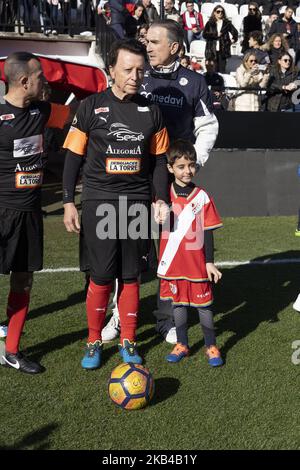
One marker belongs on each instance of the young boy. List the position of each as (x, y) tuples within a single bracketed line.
[(186, 265)]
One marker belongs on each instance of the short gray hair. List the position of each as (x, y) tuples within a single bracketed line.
[(174, 30)]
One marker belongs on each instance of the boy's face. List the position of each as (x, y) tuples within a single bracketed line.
[(183, 170)]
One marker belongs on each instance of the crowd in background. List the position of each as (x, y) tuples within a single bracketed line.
[(265, 74)]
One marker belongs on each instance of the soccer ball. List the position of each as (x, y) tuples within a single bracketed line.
[(131, 386)]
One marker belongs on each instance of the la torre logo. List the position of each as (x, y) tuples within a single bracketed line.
[(121, 151), (123, 133)]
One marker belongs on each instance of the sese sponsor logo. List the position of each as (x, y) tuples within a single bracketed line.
[(123, 165), (122, 133), (29, 180)]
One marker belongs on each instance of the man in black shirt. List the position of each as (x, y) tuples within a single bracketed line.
[(124, 140), (23, 118)]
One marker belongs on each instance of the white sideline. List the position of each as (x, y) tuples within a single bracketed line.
[(221, 264)]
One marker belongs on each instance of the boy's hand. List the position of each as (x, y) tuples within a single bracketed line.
[(161, 211), (214, 275)]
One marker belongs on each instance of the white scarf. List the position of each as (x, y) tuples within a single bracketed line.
[(167, 68), (189, 21)]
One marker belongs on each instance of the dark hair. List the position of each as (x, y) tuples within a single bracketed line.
[(16, 65), (212, 17), (174, 30), (257, 36), (130, 45), (258, 13), (292, 66), (181, 148), (138, 4)]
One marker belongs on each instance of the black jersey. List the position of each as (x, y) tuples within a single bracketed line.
[(121, 140), (21, 151)]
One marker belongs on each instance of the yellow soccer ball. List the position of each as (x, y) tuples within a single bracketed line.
[(131, 386)]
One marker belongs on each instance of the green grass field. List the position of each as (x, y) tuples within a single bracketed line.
[(250, 403)]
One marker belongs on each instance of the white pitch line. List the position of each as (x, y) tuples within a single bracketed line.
[(266, 262)]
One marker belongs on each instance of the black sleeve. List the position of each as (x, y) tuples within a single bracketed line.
[(209, 246), (160, 178), (72, 167)]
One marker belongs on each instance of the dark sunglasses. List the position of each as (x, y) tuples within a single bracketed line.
[(253, 61), (252, 9), (220, 11), (286, 60)]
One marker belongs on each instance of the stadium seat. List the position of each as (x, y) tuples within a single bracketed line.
[(243, 10), (231, 10), (156, 3), (237, 22), (197, 49), (229, 81), (207, 8)]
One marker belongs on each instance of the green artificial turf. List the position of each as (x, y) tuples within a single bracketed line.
[(252, 402)]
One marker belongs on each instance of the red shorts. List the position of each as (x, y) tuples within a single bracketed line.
[(182, 292)]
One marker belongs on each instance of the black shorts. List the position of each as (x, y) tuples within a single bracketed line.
[(21, 241), (114, 246)]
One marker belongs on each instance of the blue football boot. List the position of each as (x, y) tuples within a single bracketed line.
[(179, 352), (129, 353), (92, 356), (214, 356)]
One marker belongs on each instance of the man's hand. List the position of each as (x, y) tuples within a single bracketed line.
[(161, 211), (71, 218), (214, 275)]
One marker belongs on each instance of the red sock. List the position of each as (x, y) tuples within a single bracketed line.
[(128, 304), (17, 308), (96, 306)]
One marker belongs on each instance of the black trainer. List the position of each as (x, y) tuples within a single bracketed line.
[(20, 362)]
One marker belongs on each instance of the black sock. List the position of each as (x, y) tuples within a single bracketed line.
[(180, 319)]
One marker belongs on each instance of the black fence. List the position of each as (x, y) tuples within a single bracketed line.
[(25, 16)]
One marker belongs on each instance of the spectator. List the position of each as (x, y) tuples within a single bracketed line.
[(255, 47), (8, 14), (276, 5), (170, 11), (138, 13), (251, 22), (104, 10), (282, 84), (215, 83), (192, 23), (134, 20), (150, 12), (27, 15), (118, 14), (288, 27), (219, 33), (185, 62), (52, 16), (250, 78), (142, 34), (268, 23), (275, 46)]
